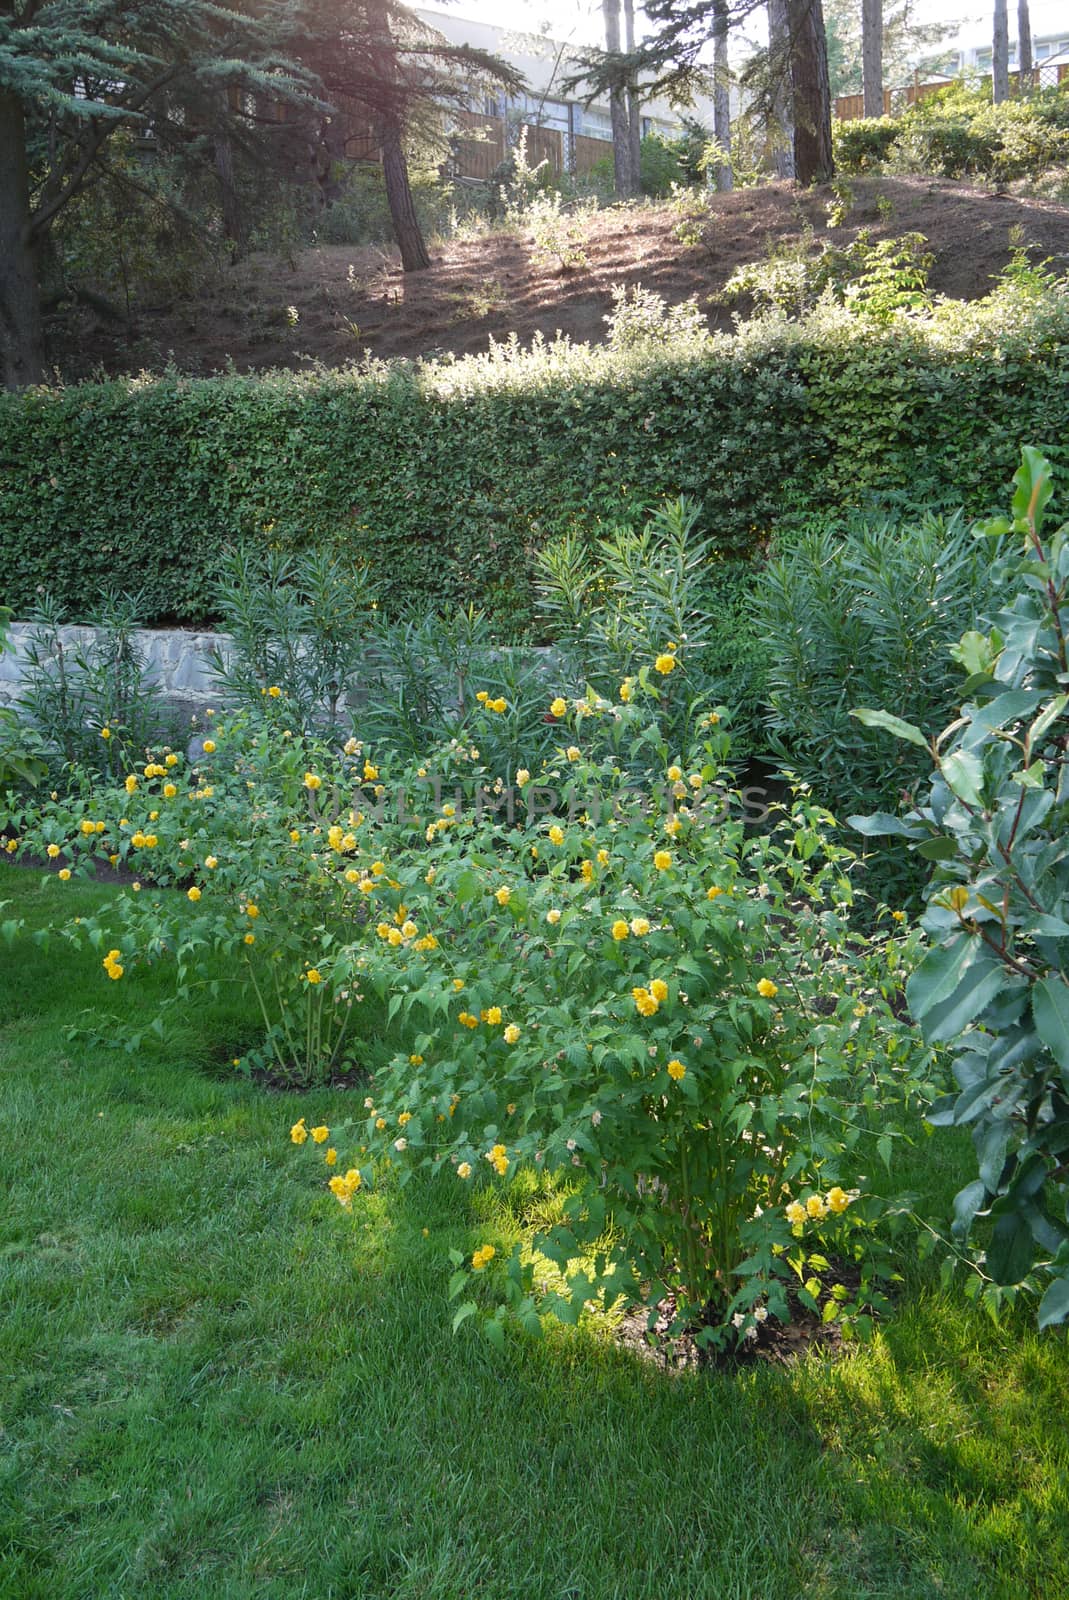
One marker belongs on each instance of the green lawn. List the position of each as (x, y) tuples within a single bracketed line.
[(215, 1384)]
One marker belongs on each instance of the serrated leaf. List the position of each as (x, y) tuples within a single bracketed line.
[(495, 1332), (468, 1309)]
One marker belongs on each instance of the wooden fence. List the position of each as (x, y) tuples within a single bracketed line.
[(487, 146), (588, 152), (849, 107)]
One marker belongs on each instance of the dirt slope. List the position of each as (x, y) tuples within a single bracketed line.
[(348, 299)]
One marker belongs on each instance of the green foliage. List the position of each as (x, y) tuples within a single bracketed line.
[(872, 278), (958, 133), (449, 477), (995, 982), (89, 699), (21, 754), (864, 611)]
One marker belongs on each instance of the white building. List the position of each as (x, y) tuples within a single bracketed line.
[(546, 63)]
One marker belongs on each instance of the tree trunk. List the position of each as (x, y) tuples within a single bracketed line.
[(21, 335), (1024, 47), (811, 92), (872, 56), (1000, 54), (780, 67), (721, 94), (634, 115), (621, 131), (406, 228), (223, 150)]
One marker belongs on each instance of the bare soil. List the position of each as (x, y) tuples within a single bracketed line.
[(346, 300)]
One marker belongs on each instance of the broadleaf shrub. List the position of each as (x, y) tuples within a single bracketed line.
[(444, 480), (994, 985)]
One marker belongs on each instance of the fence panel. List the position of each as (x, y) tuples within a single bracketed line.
[(588, 151), (477, 158)]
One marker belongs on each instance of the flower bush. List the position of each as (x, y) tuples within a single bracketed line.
[(597, 972)]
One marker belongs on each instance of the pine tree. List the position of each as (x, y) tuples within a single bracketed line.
[(71, 75)]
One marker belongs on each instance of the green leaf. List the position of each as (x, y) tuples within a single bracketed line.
[(1010, 1257), (975, 652), (1054, 1306), (1050, 1008), (890, 724), (953, 984), (882, 822), (468, 1309), (964, 773), (457, 1282), (495, 1332)]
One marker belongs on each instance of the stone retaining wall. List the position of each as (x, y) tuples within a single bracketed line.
[(177, 660)]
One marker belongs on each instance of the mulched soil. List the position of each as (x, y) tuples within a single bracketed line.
[(349, 299)]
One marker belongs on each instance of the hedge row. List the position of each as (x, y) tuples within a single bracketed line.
[(444, 479)]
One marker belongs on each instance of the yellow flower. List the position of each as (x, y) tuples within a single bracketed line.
[(645, 1004), (482, 1256), (468, 1020), (713, 892), (512, 1033), (131, 783), (331, 1156), (458, 983), (151, 841), (138, 839), (193, 894), (464, 1170), (312, 781), (639, 927), (252, 911), (299, 1133), (559, 708), (767, 989), (53, 851), (64, 873), (313, 975), (587, 869), (572, 752), (371, 771), (620, 929), (404, 1119), (626, 690), (321, 1134), (898, 916), (603, 858), (676, 1070), (274, 691), (409, 930), (295, 836), (415, 1061), (380, 1123), (250, 938), (815, 1207), (503, 895), (169, 791), (87, 827), (209, 747), (171, 760), (105, 733), (665, 664), (498, 705), (838, 1200), (556, 834), (796, 1213), (662, 860), (553, 916), (493, 1016), (659, 990)]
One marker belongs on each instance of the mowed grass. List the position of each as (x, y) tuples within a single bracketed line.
[(215, 1384)]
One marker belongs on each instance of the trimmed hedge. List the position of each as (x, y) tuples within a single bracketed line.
[(445, 478)]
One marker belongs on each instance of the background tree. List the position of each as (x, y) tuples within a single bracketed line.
[(721, 94), (810, 92), (1000, 54), (71, 76), (907, 45), (872, 56), (1024, 44), (388, 76)]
